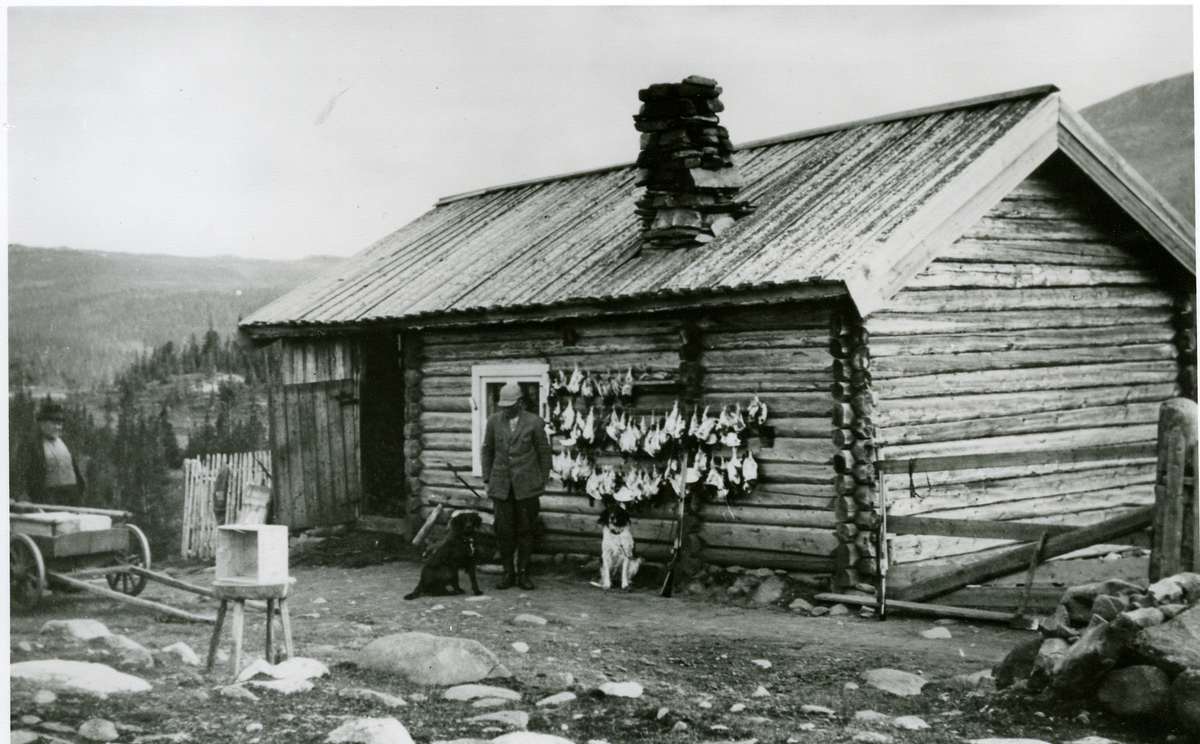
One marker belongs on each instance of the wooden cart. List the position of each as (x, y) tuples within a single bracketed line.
[(42, 542)]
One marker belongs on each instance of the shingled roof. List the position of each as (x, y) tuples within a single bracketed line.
[(857, 208)]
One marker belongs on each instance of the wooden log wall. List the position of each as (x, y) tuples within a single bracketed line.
[(856, 506), (780, 354), (1039, 329)]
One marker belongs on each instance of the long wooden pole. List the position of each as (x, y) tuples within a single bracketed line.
[(143, 603), (1014, 559), (177, 584), (72, 509), (916, 608)]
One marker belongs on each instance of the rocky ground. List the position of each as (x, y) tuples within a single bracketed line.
[(705, 668)]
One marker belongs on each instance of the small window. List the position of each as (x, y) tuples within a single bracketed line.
[(486, 381)]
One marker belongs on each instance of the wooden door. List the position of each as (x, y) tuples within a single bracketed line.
[(315, 453)]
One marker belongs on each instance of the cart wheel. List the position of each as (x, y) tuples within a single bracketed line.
[(26, 572), (137, 554)]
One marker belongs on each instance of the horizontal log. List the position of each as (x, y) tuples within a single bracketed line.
[(983, 491), (1123, 415), (555, 543), (1074, 508), (1038, 378), (748, 383), (992, 300), (786, 449), (774, 338), (894, 323), (930, 364), (808, 315), (782, 405), (446, 404), (1020, 448), (1041, 253), (915, 608), (1008, 341), (969, 527), (1042, 598), (944, 408), (738, 513), (461, 460), (652, 530), (784, 539), (786, 472), (969, 276), (585, 347), (446, 422), (1013, 560), (788, 358), (447, 441), (800, 428)]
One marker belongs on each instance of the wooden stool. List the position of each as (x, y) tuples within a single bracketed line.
[(238, 592)]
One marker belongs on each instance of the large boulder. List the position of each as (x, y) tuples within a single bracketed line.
[(79, 630), (370, 731), (1185, 696), (59, 675), (1078, 599), (1173, 646), (431, 660), (129, 652), (1140, 690), (1049, 657), (1083, 666), (894, 681), (770, 591)]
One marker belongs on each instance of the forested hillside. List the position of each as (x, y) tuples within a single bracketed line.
[(76, 318), (1153, 127)]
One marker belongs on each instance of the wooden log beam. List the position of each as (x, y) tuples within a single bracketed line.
[(1008, 459), (135, 601), (1017, 559), (916, 608), (883, 348), (174, 583), (387, 525), (1025, 531)]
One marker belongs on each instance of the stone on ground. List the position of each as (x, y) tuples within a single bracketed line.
[(129, 652), (1139, 690), (764, 663), (529, 737), (622, 689), (770, 591), (761, 691), (819, 709), (894, 681), (1185, 695), (183, 652), (471, 692), (490, 703), (362, 693), (287, 685), (1108, 606), (872, 737), (557, 699), (23, 737), (59, 675), (371, 731), (529, 619), (1006, 741), (1173, 646), (938, 633), (515, 718), (44, 697), (83, 629), (799, 604), (98, 729), (431, 660), (237, 692), (1049, 656), (871, 716), (910, 723), (521, 647), (298, 667), (1083, 666)]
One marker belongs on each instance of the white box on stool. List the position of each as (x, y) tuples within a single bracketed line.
[(252, 553)]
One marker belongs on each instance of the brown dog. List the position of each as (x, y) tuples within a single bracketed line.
[(456, 551)]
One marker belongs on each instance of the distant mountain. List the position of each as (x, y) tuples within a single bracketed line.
[(76, 317), (1153, 128)]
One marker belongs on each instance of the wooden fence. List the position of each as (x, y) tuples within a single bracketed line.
[(200, 475)]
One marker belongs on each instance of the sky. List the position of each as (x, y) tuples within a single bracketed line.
[(285, 132)]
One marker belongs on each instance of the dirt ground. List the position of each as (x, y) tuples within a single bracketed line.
[(696, 659)]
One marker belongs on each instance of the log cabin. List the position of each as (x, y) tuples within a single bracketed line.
[(979, 278)]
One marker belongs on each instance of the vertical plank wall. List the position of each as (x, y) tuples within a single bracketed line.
[(786, 523), (1039, 329), (315, 433)]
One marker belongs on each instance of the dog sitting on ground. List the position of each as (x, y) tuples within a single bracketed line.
[(616, 548), (457, 551)]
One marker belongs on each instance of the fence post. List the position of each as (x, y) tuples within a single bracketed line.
[(1176, 541)]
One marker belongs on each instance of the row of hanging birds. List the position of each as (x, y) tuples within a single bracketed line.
[(636, 436), (609, 388), (716, 476)]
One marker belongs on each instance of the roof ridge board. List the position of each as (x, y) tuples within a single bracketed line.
[(803, 134)]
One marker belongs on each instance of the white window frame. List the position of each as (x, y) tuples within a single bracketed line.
[(483, 375)]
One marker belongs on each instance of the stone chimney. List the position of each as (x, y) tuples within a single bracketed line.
[(686, 165)]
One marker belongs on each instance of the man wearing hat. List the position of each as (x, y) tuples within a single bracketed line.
[(516, 465), (52, 475)]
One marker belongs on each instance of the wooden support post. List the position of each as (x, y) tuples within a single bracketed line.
[(419, 540), (1033, 564), (1176, 543)]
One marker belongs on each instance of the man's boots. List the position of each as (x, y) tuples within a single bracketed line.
[(508, 579), (523, 570)]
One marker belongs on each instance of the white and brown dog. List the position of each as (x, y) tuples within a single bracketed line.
[(616, 548)]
